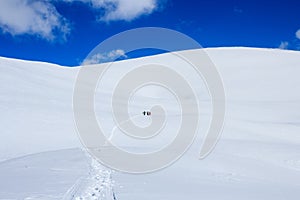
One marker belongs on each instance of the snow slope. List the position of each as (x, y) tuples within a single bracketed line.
[(257, 157)]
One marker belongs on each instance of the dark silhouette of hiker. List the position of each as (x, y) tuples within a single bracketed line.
[(148, 113)]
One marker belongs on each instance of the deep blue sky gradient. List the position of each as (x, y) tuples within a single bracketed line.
[(213, 23)]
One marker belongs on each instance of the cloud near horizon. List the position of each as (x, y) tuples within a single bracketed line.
[(105, 57), (283, 45), (298, 34), (41, 18)]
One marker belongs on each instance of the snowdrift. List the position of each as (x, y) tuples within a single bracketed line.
[(257, 157)]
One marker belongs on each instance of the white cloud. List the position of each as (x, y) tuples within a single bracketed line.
[(126, 10), (283, 45), (32, 17), (40, 17), (129, 10), (105, 57), (298, 34)]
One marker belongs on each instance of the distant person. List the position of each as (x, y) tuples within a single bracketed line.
[(148, 113)]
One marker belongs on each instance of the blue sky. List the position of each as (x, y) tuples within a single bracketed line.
[(65, 31)]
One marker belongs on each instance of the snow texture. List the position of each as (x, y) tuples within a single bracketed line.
[(257, 156)]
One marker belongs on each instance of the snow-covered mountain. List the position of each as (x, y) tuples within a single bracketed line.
[(257, 157)]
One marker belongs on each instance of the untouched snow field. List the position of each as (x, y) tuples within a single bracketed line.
[(257, 156)]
